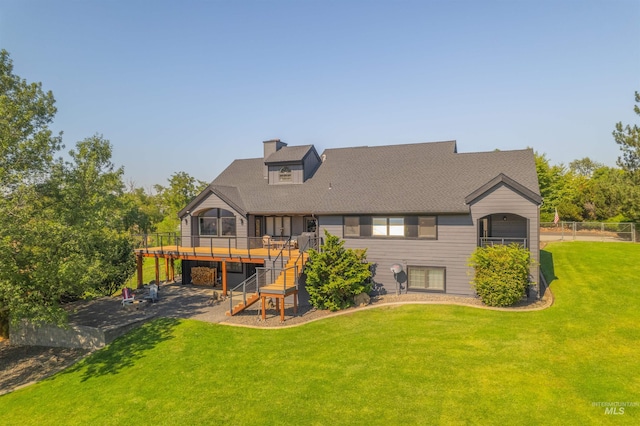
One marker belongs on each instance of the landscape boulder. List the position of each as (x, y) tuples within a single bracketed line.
[(362, 299)]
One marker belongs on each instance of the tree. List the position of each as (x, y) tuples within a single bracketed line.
[(335, 274), (553, 188), (628, 137), (182, 189), (27, 145), (142, 211), (61, 232), (88, 194), (584, 167)]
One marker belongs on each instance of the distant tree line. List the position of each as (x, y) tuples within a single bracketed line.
[(587, 190)]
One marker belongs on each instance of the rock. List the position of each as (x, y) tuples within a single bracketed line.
[(270, 304), (362, 299)]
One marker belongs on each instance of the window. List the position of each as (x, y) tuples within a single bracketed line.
[(388, 226), (285, 174), (310, 224), (208, 226), (278, 226), (396, 226), (217, 223), (351, 226), (424, 227), (234, 267), (227, 223), (426, 278), (427, 227)]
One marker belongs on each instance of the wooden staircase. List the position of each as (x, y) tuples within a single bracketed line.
[(242, 306), (278, 288), (286, 281)]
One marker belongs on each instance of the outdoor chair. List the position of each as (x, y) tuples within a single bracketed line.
[(266, 241), (127, 296), (153, 293)]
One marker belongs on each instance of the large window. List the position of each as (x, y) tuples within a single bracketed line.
[(388, 226), (217, 223), (424, 227), (426, 278)]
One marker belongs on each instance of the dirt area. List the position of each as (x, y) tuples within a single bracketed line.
[(22, 365)]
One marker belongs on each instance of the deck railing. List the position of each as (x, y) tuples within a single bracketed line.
[(495, 241), (190, 244)]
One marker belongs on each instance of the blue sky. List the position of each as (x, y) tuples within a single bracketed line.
[(192, 85)]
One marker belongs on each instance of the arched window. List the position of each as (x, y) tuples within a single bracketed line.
[(285, 174), (217, 223)]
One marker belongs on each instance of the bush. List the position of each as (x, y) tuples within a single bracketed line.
[(335, 275), (501, 273)]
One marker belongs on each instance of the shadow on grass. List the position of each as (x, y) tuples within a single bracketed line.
[(547, 267), (123, 352)]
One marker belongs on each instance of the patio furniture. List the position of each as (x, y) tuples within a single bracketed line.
[(266, 239), (127, 296), (153, 293)]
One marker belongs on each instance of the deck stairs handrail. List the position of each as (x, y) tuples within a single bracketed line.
[(248, 287), (283, 280)]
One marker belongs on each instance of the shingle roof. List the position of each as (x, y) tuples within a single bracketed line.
[(289, 154), (412, 178)]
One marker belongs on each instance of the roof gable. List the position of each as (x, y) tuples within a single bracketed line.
[(290, 154), (507, 181)]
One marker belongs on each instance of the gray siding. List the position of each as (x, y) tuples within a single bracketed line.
[(297, 225), (456, 241), (310, 165), (190, 232), (185, 231), (501, 200), (514, 227), (297, 175)]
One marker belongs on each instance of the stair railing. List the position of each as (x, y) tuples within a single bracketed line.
[(247, 285)]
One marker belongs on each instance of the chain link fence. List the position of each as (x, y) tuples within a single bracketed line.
[(588, 231)]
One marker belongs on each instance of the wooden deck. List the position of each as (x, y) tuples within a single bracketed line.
[(217, 253)]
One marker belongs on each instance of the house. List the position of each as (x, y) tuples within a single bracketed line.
[(424, 207)]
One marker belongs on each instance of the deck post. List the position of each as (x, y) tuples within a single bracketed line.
[(139, 269), (282, 310), (157, 270), (172, 270), (224, 278), (166, 268)]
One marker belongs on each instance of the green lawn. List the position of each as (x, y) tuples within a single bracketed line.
[(414, 364), (149, 272)]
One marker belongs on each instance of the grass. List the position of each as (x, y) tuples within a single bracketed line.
[(414, 364), (149, 271)]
